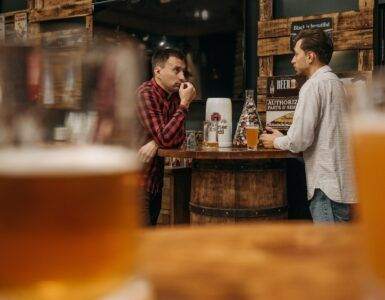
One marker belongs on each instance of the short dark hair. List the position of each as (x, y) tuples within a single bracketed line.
[(317, 41), (161, 55)]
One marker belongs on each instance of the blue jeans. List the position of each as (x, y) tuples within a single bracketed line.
[(325, 210)]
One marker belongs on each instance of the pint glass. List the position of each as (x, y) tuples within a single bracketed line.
[(68, 210), (252, 136), (368, 138)]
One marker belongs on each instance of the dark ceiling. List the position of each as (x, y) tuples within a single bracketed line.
[(176, 17)]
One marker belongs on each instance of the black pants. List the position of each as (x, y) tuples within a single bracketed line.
[(151, 208)]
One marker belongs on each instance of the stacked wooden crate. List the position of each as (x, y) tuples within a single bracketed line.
[(352, 30), (14, 26), (63, 28)]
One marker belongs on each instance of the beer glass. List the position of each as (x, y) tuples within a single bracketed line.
[(368, 140), (210, 134), (252, 136), (68, 209)]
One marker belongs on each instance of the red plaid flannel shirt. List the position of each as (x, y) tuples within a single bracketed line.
[(162, 118)]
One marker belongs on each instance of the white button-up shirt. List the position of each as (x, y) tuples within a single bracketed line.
[(319, 130)]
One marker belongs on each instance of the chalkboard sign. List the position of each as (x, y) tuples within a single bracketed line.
[(325, 23)]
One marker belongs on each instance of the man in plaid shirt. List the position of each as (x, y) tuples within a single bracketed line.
[(163, 105)]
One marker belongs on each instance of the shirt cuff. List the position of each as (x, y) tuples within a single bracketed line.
[(281, 143), (183, 108)]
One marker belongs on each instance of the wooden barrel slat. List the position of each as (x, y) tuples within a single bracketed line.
[(235, 191)]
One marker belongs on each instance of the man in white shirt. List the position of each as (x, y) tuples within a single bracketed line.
[(319, 130)]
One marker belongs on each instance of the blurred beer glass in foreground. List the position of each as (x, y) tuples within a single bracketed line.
[(68, 210), (368, 137)]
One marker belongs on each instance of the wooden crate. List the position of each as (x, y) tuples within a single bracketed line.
[(43, 10), (176, 196), (63, 33), (14, 26), (352, 30)]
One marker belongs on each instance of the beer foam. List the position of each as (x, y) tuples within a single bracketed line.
[(67, 161), (369, 123)]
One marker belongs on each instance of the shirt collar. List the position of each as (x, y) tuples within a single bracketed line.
[(163, 93), (321, 70)]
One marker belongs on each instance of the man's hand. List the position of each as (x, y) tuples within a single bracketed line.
[(187, 93), (148, 152), (269, 137)]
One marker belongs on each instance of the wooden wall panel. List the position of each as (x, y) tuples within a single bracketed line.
[(266, 66), (344, 21), (352, 30), (76, 9), (343, 40), (366, 4), (365, 60), (265, 10)]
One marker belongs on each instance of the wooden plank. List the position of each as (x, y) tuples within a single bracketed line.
[(262, 80), (265, 10), (365, 60), (350, 20), (262, 85), (343, 40), (71, 10), (89, 23), (261, 103), (266, 66), (366, 4), (39, 4)]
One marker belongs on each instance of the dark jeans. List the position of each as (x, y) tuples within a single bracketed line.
[(151, 208), (325, 210)]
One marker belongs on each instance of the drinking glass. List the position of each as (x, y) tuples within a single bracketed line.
[(252, 136), (210, 134), (68, 210), (368, 140)]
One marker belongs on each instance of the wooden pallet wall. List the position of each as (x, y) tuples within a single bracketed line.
[(66, 27), (352, 30)]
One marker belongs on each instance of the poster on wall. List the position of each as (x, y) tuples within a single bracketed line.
[(281, 101), (325, 23)]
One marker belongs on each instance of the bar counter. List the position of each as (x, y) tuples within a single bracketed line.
[(230, 185), (227, 154), (291, 261)]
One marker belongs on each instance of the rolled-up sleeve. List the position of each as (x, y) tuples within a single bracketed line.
[(300, 135)]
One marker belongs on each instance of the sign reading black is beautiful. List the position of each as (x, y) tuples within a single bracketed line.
[(325, 23)]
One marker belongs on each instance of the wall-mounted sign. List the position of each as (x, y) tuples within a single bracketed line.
[(281, 101), (325, 23)]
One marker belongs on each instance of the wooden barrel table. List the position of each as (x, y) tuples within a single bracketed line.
[(236, 185)]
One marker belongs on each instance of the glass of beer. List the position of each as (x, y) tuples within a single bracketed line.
[(252, 136), (68, 210), (210, 134), (368, 140)]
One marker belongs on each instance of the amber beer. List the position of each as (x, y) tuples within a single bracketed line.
[(252, 137), (68, 221), (369, 152)]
